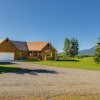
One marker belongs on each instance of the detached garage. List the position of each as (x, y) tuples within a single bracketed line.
[(6, 56)]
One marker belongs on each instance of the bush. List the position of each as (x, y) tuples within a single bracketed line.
[(82, 56), (63, 58)]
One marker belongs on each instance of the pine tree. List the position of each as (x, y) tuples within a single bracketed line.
[(97, 53), (74, 47), (67, 47)]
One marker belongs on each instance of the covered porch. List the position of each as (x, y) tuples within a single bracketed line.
[(42, 55), (34, 55), (49, 54)]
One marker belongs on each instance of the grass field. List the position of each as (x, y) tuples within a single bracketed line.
[(85, 63), (6, 69)]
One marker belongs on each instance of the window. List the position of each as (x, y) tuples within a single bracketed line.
[(30, 53), (39, 55)]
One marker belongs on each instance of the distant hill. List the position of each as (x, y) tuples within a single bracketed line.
[(60, 53), (90, 51)]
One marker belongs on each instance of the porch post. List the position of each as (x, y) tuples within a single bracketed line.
[(51, 53), (37, 54), (45, 56), (55, 55)]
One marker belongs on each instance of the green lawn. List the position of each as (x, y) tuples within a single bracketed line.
[(85, 63), (7, 69)]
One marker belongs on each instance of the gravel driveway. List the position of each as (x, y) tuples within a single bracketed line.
[(41, 80)]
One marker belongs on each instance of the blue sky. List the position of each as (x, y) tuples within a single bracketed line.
[(51, 20)]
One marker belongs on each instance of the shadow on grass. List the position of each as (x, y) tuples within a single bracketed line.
[(25, 71), (71, 60), (7, 63)]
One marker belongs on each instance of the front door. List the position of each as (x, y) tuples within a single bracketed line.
[(48, 56), (39, 56)]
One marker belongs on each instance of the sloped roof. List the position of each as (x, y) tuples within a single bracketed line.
[(20, 45), (1, 41), (36, 46), (28, 46)]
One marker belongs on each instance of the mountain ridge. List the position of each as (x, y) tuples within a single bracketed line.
[(90, 51)]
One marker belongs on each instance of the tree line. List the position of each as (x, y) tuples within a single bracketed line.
[(71, 49)]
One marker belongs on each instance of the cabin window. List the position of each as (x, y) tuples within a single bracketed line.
[(30, 53), (39, 55)]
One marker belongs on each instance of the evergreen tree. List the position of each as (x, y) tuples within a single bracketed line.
[(67, 47), (74, 47), (97, 53)]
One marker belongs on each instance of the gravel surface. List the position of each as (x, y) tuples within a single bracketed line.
[(41, 80)]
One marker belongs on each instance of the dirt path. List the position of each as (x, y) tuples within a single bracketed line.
[(40, 80)]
